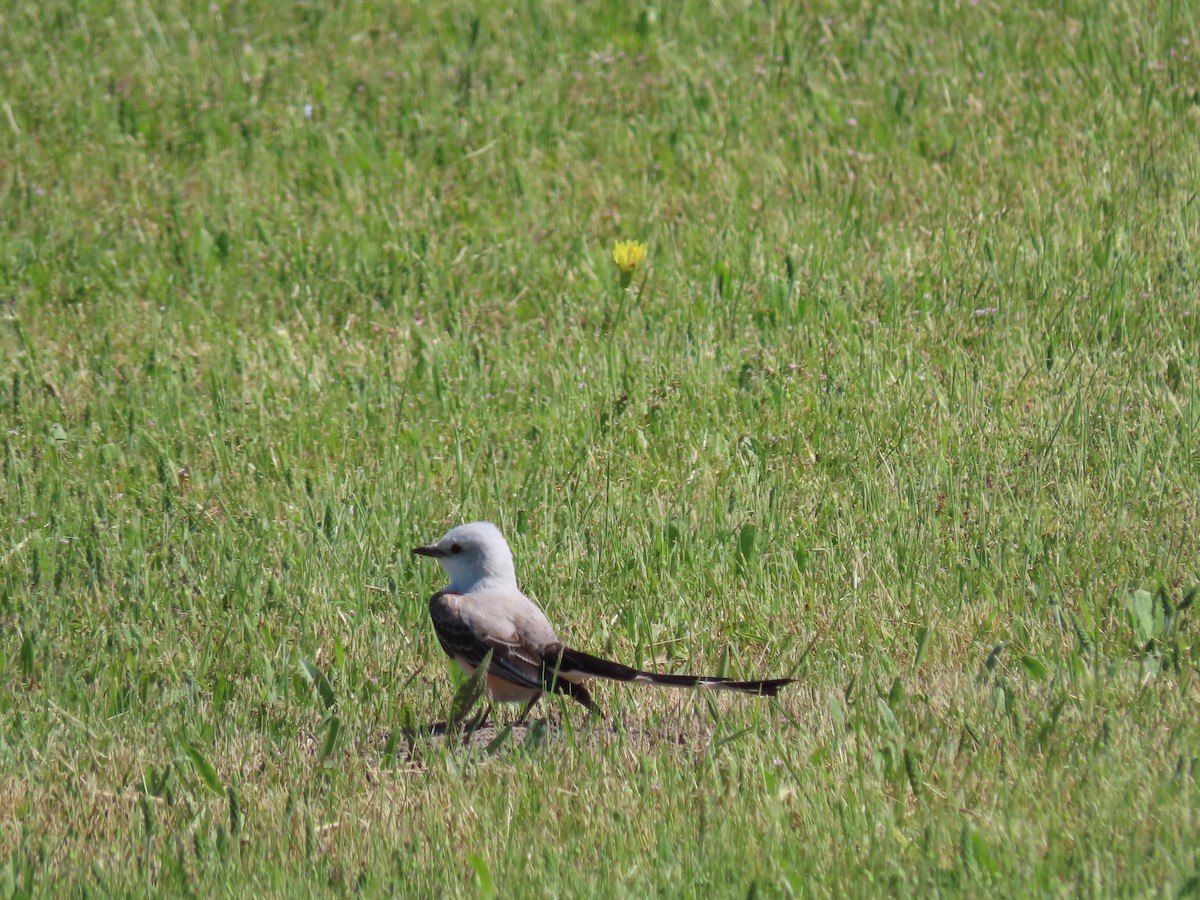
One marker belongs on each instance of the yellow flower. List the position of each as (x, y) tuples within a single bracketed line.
[(628, 255)]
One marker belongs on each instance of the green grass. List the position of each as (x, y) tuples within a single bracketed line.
[(904, 404)]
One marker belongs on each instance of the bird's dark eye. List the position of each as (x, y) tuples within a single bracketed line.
[(456, 548)]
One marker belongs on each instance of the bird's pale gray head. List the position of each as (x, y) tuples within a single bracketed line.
[(472, 554)]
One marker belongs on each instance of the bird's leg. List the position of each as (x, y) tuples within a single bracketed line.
[(528, 707)]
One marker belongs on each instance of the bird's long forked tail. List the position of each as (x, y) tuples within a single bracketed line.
[(577, 663)]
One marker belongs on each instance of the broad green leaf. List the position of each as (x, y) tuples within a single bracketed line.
[(496, 744), (318, 680), (976, 854), (922, 643), (333, 729), (389, 748), (1033, 667), (913, 771), (205, 770), (724, 279), (885, 711), (747, 539), (1141, 608), (408, 721), (483, 877), (468, 694)]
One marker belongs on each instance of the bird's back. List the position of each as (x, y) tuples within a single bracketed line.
[(504, 613)]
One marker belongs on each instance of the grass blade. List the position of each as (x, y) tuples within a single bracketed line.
[(318, 680), (205, 770), (468, 694)]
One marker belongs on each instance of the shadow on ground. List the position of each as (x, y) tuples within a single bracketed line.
[(496, 737)]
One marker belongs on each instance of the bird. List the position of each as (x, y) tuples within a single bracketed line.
[(482, 609)]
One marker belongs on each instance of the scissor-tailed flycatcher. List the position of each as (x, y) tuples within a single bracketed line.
[(482, 609)]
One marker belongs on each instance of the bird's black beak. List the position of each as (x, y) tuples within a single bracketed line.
[(435, 552)]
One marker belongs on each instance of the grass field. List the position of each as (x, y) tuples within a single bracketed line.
[(903, 403)]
